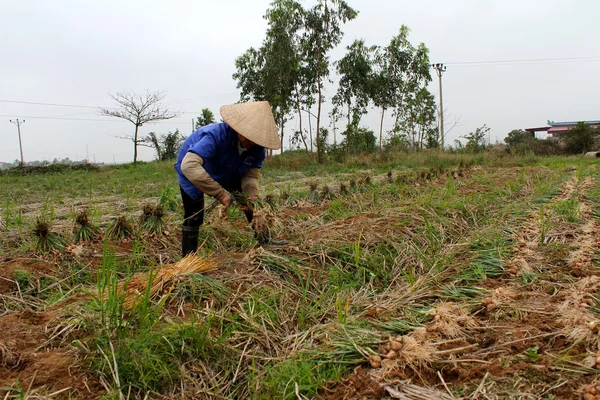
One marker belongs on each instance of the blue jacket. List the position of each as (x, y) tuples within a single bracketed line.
[(218, 145)]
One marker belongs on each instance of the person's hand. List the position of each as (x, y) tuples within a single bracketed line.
[(226, 200)]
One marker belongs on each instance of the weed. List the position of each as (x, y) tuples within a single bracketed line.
[(169, 199)]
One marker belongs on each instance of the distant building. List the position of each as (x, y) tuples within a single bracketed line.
[(556, 128)]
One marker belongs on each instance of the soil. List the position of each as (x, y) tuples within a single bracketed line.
[(28, 357)]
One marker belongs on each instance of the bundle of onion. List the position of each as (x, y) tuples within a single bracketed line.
[(271, 201), (47, 241), (343, 189), (120, 229), (326, 193), (84, 230), (314, 194), (152, 218)]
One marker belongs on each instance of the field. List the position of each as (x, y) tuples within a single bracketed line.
[(414, 276)]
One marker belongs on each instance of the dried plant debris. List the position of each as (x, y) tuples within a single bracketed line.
[(451, 320)]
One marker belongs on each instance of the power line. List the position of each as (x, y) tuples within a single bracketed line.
[(84, 119), (46, 104), (526, 61), (97, 107)]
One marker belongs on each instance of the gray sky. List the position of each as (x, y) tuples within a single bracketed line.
[(77, 52)]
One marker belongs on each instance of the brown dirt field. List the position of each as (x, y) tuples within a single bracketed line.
[(27, 356), (9, 266)]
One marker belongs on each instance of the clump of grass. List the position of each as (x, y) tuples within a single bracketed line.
[(84, 230), (47, 241), (152, 218), (120, 229)]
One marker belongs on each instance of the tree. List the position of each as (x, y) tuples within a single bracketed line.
[(322, 32), (271, 72), (476, 140), (580, 139), (517, 137), (354, 90), (359, 140), (400, 82), (138, 109), (167, 145), (206, 118)]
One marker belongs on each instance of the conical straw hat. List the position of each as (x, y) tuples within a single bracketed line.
[(254, 121)]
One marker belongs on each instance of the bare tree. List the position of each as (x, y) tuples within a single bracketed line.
[(138, 109)]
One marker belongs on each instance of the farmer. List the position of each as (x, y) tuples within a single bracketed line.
[(223, 158)]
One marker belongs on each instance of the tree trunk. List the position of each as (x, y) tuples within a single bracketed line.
[(282, 124), (300, 121), (381, 129), (310, 135), (135, 143), (348, 131), (319, 144)]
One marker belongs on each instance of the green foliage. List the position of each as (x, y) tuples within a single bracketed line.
[(580, 139), (360, 140), (169, 199), (400, 83), (518, 137), (167, 145), (355, 85), (206, 118), (476, 141), (273, 72), (309, 376)]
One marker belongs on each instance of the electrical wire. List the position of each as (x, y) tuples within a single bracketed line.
[(525, 61)]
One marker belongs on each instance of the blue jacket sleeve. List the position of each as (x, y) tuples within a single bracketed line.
[(259, 159)]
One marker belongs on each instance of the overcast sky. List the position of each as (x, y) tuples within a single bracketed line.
[(77, 52)]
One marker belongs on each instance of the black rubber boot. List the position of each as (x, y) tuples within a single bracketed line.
[(189, 239)]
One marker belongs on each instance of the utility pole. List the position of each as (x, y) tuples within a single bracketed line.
[(440, 69), (18, 124)]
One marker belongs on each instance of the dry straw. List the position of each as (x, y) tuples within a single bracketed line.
[(164, 277)]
